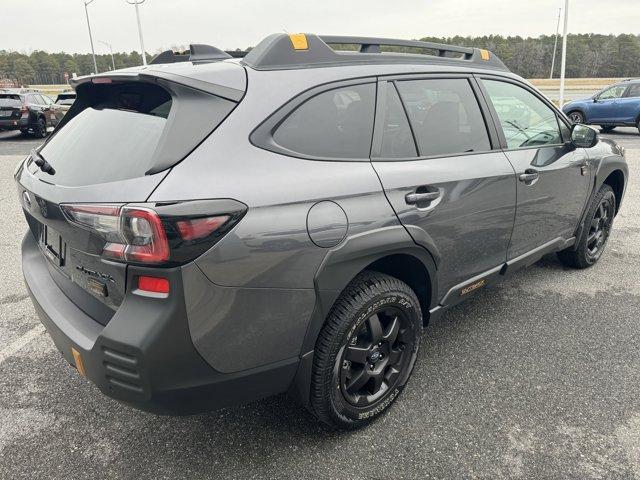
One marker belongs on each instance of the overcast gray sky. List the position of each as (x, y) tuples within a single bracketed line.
[(60, 25)]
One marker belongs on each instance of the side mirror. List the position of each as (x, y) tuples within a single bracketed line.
[(595, 99), (583, 136)]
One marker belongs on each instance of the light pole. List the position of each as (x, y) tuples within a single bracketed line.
[(113, 63), (86, 11), (555, 45), (563, 63), (136, 3)]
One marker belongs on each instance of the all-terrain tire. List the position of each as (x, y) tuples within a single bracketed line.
[(595, 234), (370, 296), (40, 128)]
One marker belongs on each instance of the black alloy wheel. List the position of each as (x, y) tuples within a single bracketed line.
[(366, 350), (40, 128), (375, 356), (595, 232), (600, 228)]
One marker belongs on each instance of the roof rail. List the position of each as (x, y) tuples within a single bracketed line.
[(283, 51), (197, 53)]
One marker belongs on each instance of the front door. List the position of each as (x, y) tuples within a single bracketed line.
[(451, 189), (553, 176), (606, 105)]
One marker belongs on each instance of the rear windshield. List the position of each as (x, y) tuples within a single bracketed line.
[(10, 100), (112, 140), (122, 130)]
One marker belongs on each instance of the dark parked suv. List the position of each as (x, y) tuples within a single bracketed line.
[(207, 230), (28, 111)]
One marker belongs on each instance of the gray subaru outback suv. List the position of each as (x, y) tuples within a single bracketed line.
[(210, 230)]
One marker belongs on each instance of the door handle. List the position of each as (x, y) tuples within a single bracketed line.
[(414, 198), (529, 175)]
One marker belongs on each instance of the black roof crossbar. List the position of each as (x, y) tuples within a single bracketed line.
[(372, 45), (197, 53), (282, 51)]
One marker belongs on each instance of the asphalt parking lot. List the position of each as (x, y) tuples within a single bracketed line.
[(538, 377)]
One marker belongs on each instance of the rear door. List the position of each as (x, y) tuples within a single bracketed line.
[(453, 191), (54, 112), (553, 176)]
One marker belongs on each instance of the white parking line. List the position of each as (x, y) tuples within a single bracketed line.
[(16, 345)]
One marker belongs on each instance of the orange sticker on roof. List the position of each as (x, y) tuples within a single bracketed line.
[(299, 41)]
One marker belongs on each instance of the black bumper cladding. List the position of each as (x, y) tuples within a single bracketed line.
[(144, 356)]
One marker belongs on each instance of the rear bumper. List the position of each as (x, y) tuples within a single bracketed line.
[(13, 123), (145, 356)]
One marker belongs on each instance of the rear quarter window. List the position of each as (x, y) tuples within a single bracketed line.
[(334, 124)]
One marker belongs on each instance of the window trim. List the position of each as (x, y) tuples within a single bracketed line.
[(560, 117), (262, 135), (492, 134), (379, 121)]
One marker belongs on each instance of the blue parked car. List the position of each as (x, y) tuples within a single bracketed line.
[(615, 106)]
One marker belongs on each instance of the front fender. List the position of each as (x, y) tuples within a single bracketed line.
[(609, 158), (606, 157)]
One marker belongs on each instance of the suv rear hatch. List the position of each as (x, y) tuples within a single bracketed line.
[(115, 145), (10, 106)]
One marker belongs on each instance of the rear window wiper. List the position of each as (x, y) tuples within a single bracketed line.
[(42, 163)]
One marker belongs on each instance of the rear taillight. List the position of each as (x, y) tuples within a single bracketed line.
[(196, 228), (133, 234), (144, 235), (137, 234), (24, 110)]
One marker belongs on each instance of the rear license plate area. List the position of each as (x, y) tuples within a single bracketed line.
[(53, 246)]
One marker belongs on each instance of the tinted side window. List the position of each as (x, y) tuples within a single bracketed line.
[(397, 140), (634, 90), (525, 119), (445, 116), (334, 124)]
